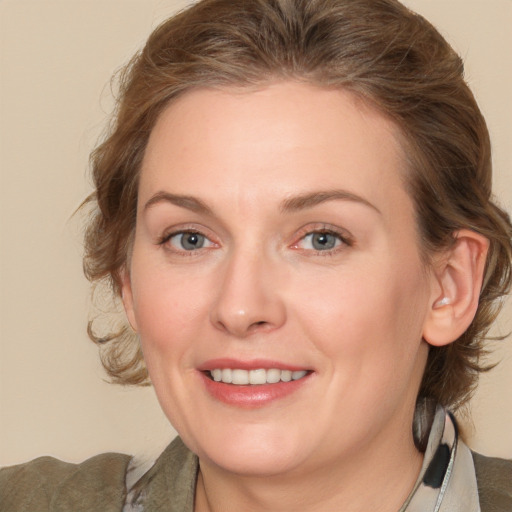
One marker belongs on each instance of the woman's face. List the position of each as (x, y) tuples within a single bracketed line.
[(275, 240)]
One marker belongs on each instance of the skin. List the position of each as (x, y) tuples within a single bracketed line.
[(354, 316)]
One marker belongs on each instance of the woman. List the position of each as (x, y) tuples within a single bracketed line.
[(294, 204)]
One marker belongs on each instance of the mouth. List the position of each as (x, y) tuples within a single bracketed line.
[(256, 377), (252, 384)]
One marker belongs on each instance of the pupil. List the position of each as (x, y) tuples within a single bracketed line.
[(323, 241), (192, 241)]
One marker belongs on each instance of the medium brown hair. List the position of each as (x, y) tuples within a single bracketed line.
[(378, 49)]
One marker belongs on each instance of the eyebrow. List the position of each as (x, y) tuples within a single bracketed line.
[(311, 199), (188, 202), (295, 203)]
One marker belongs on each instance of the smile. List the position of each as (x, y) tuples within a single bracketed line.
[(252, 384), (258, 377)]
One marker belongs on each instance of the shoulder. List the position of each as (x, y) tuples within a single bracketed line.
[(494, 478), (48, 484)]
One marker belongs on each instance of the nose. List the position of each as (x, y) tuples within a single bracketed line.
[(249, 298)]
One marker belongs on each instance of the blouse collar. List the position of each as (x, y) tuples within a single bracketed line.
[(447, 480)]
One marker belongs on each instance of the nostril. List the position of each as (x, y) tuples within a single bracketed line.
[(258, 325)]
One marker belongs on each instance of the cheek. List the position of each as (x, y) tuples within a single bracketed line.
[(374, 312), (169, 309)]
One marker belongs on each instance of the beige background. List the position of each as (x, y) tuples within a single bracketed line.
[(56, 61)]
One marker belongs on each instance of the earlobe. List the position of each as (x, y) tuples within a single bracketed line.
[(459, 275), (127, 298)]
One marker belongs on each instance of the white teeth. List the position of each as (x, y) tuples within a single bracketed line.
[(240, 377), (286, 375), (227, 375), (273, 375), (255, 377)]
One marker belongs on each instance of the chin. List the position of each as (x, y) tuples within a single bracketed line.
[(251, 452), (253, 464)]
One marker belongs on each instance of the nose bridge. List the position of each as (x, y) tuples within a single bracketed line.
[(248, 298)]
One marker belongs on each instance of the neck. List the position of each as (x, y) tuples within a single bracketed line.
[(380, 478)]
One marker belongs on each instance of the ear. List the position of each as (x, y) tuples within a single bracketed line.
[(127, 297), (454, 301)]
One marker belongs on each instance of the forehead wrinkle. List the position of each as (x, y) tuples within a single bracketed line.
[(311, 199)]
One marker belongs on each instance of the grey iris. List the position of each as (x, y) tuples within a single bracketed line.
[(323, 241), (191, 241)]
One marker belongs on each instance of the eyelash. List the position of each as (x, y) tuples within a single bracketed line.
[(165, 239), (344, 238)]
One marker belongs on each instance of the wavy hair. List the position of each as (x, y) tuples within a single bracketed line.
[(378, 49)]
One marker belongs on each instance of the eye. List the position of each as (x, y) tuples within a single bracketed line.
[(321, 241), (187, 241)]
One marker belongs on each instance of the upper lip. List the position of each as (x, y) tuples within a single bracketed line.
[(253, 364)]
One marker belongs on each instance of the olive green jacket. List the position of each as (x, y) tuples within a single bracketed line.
[(98, 484)]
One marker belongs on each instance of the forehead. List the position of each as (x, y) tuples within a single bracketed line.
[(280, 140)]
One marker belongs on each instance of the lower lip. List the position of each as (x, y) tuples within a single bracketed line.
[(251, 397)]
